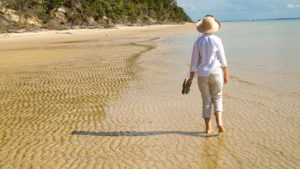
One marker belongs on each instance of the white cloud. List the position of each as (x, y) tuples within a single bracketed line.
[(293, 6)]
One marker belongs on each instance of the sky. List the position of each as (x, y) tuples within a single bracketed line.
[(237, 10)]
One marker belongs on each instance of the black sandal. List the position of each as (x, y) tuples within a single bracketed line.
[(185, 87)]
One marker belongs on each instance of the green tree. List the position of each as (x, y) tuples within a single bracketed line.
[(78, 11)]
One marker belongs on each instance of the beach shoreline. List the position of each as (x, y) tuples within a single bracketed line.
[(87, 29), (30, 41)]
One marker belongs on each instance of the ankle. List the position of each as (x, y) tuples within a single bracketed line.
[(221, 129), (208, 131)]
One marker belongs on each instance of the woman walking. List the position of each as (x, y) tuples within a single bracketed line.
[(209, 63)]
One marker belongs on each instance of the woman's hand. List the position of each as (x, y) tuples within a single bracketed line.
[(189, 82), (225, 79), (225, 74)]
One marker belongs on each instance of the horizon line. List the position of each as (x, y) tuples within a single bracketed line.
[(269, 19)]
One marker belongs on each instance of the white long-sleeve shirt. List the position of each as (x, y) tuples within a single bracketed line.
[(208, 55)]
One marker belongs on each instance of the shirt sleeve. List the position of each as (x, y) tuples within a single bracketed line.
[(195, 59), (221, 55)]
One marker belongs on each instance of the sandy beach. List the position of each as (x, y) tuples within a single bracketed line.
[(111, 98)]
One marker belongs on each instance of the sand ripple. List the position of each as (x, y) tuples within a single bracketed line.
[(41, 104)]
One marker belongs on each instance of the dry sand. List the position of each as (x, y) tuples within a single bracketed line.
[(104, 99)]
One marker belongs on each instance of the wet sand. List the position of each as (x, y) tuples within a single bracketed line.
[(111, 99)]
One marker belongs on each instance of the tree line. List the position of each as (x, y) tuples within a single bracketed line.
[(102, 11)]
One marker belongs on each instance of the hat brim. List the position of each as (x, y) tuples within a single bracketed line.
[(215, 27)]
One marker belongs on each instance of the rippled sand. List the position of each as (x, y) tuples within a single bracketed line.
[(111, 99)]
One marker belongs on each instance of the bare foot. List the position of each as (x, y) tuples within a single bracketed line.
[(209, 131), (221, 129)]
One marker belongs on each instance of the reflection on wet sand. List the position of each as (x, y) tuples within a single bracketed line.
[(213, 153)]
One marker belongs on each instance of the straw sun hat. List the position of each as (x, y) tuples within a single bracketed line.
[(208, 25)]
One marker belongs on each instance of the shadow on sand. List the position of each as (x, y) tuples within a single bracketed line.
[(143, 133)]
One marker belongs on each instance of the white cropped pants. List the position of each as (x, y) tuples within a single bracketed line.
[(211, 91)]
